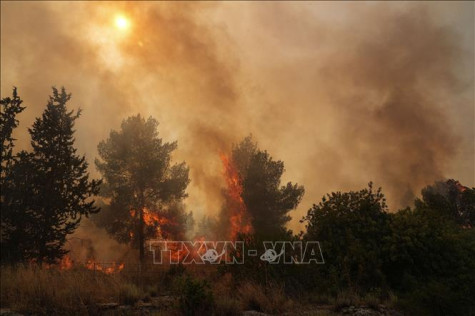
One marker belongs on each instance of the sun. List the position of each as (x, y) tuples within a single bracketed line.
[(121, 22)]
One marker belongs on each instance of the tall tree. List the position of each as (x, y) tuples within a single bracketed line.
[(19, 218), (267, 201), (62, 189), (139, 179), (10, 108), (48, 189)]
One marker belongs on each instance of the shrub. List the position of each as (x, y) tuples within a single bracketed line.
[(196, 297)]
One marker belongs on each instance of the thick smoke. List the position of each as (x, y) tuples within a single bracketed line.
[(92, 243), (342, 93), (376, 93)]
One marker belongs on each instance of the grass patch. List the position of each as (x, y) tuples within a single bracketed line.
[(33, 290), (270, 300)]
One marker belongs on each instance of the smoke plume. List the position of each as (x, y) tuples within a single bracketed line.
[(343, 93)]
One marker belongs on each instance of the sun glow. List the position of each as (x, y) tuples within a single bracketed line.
[(121, 22)]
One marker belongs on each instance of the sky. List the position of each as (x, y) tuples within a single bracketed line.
[(343, 92)]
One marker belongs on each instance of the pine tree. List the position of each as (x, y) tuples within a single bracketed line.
[(18, 215), (10, 108), (268, 202), (60, 182), (140, 180)]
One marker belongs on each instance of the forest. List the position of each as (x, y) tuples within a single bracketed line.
[(417, 260)]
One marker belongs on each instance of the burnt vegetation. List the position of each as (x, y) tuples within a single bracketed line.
[(422, 255)]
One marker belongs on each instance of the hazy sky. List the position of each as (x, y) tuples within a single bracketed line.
[(343, 93)]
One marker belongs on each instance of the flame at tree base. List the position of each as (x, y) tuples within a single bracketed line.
[(67, 263), (111, 268)]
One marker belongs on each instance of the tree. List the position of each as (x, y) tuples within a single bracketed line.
[(351, 227), (419, 254), (19, 219), (50, 187), (451, 200), (10, 108), (61, 178), (139, 179), (266, 201), (428, 259)]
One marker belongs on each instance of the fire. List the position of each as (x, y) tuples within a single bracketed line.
[(239, 218), (150, 218), (66, 263), (113, 268)]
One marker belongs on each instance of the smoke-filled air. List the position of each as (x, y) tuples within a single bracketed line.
[(230, 121)]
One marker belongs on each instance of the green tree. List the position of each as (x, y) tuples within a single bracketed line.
[(19, 218), (428, 258), (352, 228), (139, 179), (50, 189), (10, 108), (267, 201), (422, 254), (450, 200), (61, 179)]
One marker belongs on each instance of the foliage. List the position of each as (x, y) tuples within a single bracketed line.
[(10, 108), (196, 297), (449, 200), (351, 228), (18, 221), (267, 201), (423, 255), (255, 270), (177, 222), (50, 187), (430, 263), (136, 166)]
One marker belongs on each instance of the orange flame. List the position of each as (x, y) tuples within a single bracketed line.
[(66, 263), (113, 268), (151, 218), (239, 218)]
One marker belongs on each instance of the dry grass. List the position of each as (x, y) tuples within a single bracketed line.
[(372, 300), (49, 291), (31, 290), (270, 300)]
